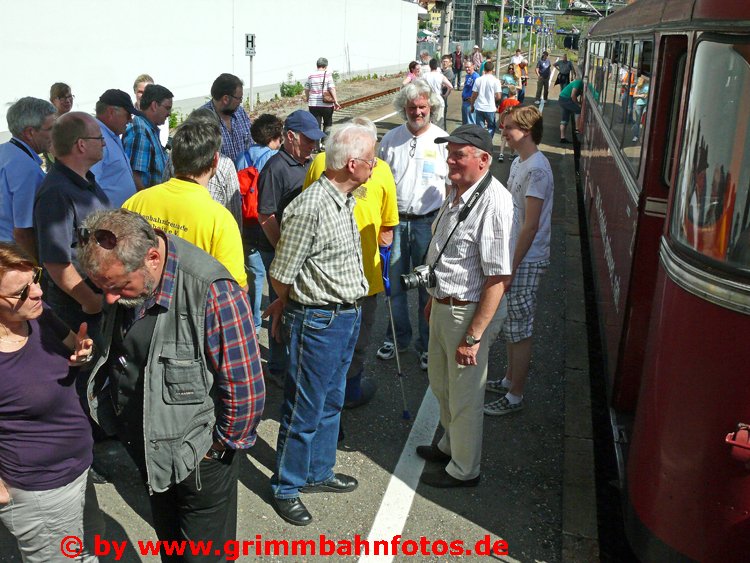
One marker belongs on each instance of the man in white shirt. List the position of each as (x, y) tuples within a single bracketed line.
[(486, 93), (419, 168)]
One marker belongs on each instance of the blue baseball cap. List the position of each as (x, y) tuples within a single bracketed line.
[(302, 121)]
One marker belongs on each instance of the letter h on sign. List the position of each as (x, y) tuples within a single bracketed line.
[(250, 44)]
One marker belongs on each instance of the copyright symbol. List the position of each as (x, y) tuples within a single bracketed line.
[(71, 546)]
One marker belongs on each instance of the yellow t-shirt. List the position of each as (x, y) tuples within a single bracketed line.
[(376, 207), (187, 210)]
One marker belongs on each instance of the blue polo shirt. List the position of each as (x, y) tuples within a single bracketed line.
[(62, 203), (20, 176), (468, 85), (113, 172)]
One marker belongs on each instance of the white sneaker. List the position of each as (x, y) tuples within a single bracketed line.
[(501, 406), (635, 139), (536, 103), (386, 352), (500, 157), (423, 361)]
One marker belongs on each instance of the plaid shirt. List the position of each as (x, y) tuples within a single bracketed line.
[(233, 353), (238, 140), (319, 252), (147, 156)]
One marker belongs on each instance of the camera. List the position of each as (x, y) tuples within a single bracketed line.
[(421, 276)]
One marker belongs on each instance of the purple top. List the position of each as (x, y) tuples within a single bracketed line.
[(45, 438)]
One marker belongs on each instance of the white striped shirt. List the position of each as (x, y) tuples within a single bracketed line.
[(481, 246), (316, 88)]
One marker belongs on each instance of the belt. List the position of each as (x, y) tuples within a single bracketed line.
[(325, 306), (453, 301), (412, 216)]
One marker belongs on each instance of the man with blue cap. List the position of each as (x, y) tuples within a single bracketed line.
[(280, 182)]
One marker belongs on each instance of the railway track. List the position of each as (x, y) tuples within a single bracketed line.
[(354, 106)]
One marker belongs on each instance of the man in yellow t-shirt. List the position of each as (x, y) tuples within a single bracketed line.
[(182, 206), (376, 213)]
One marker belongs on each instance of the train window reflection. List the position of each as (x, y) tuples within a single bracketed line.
[(673, 114), (712, 204), (633, 139)]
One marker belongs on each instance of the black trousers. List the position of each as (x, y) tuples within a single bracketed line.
[(322, 114), (186, 513)]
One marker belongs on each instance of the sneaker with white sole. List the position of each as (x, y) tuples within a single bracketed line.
[(496, 386), (501, 406), (500, 157), (386, 352), (423, 361)]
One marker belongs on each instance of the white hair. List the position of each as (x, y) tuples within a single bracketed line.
[(348, 141), (417, 89)]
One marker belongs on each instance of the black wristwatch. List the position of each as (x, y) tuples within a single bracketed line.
[(216, 454), (471, 340)]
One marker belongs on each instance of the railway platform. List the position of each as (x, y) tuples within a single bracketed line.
[(537, 491)]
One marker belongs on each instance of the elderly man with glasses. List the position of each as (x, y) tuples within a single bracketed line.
[(226, 103), (68, 195), (420, 170)]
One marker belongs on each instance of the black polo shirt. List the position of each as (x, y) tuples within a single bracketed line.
[(281, 175), (62, 203)]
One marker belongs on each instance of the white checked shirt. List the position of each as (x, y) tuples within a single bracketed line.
[(481, 246)]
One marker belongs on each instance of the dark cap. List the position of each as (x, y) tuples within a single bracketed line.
[(120, 99), (302, 121), (473, 135)]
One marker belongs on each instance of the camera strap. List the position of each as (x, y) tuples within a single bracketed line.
[(464, 213)]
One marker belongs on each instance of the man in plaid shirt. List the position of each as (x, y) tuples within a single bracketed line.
[(148, 158), (178, 375), (319, 278)]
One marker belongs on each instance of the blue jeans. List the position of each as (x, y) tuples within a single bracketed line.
[(256, 273), (467, 116), (321, 343), (410, 241), (278, 359), (487, 120)]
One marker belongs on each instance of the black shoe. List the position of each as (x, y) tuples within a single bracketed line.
[(339, 483), (292, 510), (443, 480), (367, 392), (98, 475), (433, 453), (564, 141)]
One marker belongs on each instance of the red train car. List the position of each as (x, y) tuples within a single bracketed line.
[(665, 168)]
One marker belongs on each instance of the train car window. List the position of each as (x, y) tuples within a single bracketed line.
[(673, 116), (711, 214), (642, 53), (623, 90), (596, 70), (612, 84)]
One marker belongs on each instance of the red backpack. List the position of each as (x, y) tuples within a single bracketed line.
[(249, 192)]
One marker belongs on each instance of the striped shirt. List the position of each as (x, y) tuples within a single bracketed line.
[(319, 253), (232, 353), (315, 87), (224, 187), (481, 246), (147, 156)]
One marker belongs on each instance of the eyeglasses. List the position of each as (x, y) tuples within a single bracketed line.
[(24, 293), (69, 97), (413, 146), (235, 97), (370, 163), (100, 138), (104, 238)]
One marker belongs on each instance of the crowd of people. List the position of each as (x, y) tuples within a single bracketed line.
[(132, 274)]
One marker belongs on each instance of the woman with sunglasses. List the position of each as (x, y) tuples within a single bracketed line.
[(45, 437)]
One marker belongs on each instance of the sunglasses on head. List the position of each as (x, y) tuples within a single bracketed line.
[(24, 293), (104, 238)]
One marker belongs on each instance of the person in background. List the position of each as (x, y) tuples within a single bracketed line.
[(267, 131), (485, 97), (319, 84), (457, 65), (415, 71), (476, 58), (543, 73), (30, 121), (531, 185), (509, 102), (483, 66), (45, 437), (567, 71), (467, 113), (570, 104), (148, 158), (61, 97), (641, 101), (139, 86), (114, 111), (445, 91), (424, 58), (226, 104)]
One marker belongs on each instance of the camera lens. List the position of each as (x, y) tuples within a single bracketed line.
[(409, 281)]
